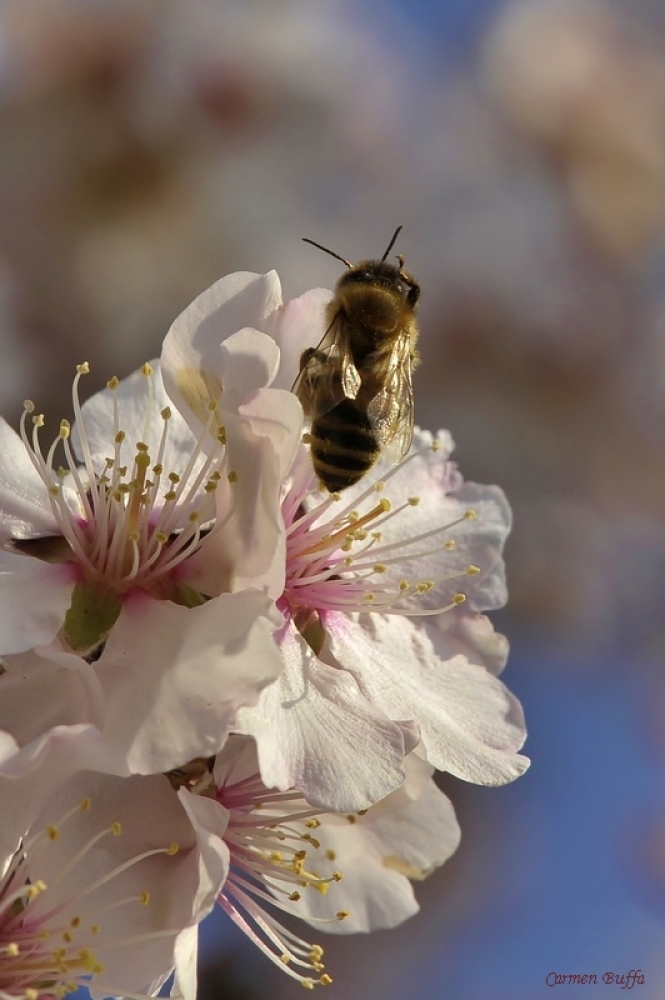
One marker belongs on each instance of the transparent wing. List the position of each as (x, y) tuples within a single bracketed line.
[(391, 410), (327, 373)]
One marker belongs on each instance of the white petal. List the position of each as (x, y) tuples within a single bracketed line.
[(473, 636), (34, 598), (404, 837), (249, 550), (316, 732), (25, 510), (174, 677), (37, 694), (300, 324), (470, 724), (28, 775), (191, 350), (136, 941)]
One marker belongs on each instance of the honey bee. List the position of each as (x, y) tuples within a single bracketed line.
[(356, 384)]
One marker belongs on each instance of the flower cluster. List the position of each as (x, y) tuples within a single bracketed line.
[(220, 683)]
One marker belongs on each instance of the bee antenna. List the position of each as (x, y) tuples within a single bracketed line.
[(392, 242), (331, 252)]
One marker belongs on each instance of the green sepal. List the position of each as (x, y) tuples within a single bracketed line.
[(91, 616)]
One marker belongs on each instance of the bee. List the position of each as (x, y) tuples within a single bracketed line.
[(356, 384)]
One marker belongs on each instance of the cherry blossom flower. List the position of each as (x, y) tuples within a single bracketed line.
[(124, 560), (383, 641), (105, 888), (342, 874)]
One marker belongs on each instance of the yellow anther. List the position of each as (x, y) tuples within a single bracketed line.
[(379, 485), (52, 832), (472, 570), (459, 598), (166, 413), (142, 446), (146, 369), (194, 517), (221, 435), (67, 937), (369, 597), (313, 823), (210, 486), (335, 496), (470, 515), (285, 959), (330, 854), (307, 983), (413, 501), (161, 537), (95, 928), (450, 544), (113, 383), (277, 857), (31, 994), (380, 568), (436, 445), (12, 950), (172, 849), (65, 429), (232, 476), (216, 477), (75, 922), (337, 876), (300, 855), (363, 812), (325, 979), (306, 438), (348, 560), (170, 495), (213, 405), (83, 369), (404, 585), (350, 818), (342, 914), (385, 504), (116, 828), (38, 420), (119, 438), (353, 516), (316, 953), (295, 896)]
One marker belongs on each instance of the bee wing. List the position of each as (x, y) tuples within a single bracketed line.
[(327, 373), (391, 410)]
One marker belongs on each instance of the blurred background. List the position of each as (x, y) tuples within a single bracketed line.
[(148, 147)]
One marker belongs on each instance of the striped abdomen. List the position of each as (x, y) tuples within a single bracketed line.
[(344, 446)]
